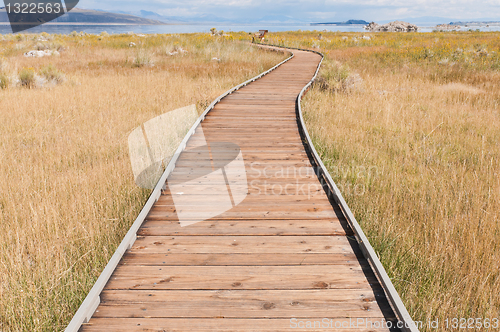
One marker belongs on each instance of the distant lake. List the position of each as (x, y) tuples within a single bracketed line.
[(190, 28)]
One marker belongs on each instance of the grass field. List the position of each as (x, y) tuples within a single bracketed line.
[(67, 193), (409, 127)]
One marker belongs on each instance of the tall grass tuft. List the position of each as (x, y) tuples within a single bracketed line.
[(4, 81), (143, 58), (51, 73), (27, 78), (333, 76)]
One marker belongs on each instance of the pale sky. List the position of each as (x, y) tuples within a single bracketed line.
[(308, 10)]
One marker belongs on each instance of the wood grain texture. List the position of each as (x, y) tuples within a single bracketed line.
[(278, 258), (220, 323)]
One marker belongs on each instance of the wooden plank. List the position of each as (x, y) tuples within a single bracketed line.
[(280, 126), (297, 144), (229, 155), (265, 186), (167, 198), (283, 215), (288, 122), (239, 304), (240, 277), (253, 134), (242, 244), (249, 139), (249, 208), (249, 136), (256, 200), (287, 298), (262, 173), (214, 259), (266, 111), (254, 228), (255, 116), (264, 167), (235, 324), (259, 102), (289, 185), (280, 107), (248, 163)]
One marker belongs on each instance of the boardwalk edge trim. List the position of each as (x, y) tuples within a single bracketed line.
[(92, 300)]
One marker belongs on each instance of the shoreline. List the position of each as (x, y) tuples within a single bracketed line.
[(177, 23)]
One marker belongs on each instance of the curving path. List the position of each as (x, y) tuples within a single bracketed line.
[(278, 261)]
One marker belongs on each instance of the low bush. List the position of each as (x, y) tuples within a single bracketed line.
[(27, 78), (4, 81), (51, 73)]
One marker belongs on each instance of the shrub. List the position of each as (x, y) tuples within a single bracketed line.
[(333, 76), (4, 81), (27, 77), (57, 46), (3, 65), (142, 58), (51, 74), (41, 47)]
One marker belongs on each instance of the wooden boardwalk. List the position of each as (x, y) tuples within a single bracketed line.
[(280, 260)]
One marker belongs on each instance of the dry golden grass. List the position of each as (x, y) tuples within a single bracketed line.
[(415, 150), (67, 193)]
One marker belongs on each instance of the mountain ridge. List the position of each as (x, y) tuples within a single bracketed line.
[(348, 22), (78, 15), (434, 20)]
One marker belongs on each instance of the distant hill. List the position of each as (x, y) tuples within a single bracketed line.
[(349, 22), (155, 16), (430, 21), (278, 19), (208, 18), (421, 21), (78, 15), (476, 23), (214, 19)]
